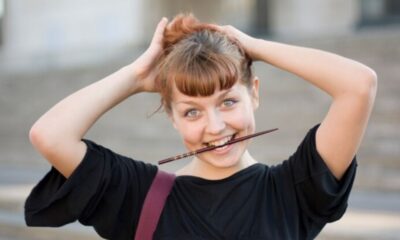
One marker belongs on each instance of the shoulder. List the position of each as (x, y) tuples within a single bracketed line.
[(98, 152)]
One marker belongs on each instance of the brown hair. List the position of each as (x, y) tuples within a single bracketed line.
[(198, 59)]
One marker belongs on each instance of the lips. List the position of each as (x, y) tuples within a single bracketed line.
[(220, 142)]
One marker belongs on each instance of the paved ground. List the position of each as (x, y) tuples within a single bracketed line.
[(371, 215), (286, 102)]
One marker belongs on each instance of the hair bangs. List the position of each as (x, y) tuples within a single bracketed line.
[(204, 76)]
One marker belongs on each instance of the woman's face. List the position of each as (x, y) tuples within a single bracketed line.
[(216, 119)]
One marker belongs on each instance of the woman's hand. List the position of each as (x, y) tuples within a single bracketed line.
[(248, 43), (146, 65)]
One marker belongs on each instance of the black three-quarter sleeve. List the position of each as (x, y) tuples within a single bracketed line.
[(106, 191), (320, 196)]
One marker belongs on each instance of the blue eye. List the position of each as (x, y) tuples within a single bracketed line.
[(229, 102), (191, 113)]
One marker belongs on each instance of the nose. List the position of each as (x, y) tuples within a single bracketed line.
[(216, 123)]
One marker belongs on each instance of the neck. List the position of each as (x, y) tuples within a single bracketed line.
[(200, 168)]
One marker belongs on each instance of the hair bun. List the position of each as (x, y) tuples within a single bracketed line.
[(182, 26)]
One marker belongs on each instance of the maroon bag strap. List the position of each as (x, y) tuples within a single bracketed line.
[(154, 204)]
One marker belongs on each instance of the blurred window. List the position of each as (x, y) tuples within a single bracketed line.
[(380, 12), (393, 7)]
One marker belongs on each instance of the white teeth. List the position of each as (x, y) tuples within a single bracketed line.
[(220, 142)]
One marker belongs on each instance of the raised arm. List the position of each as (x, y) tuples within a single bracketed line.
[(57, 134), (351, 85)]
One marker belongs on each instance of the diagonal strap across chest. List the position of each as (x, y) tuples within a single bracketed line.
[(154, 204)]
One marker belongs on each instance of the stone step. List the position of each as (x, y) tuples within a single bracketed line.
[(286, 102), (12, 226), (371, 215)]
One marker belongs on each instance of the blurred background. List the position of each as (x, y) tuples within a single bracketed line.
[(49, 49)]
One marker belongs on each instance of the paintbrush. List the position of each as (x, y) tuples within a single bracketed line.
[(210, 148)]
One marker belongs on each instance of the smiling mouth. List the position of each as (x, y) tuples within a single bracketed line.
[(220, 143)]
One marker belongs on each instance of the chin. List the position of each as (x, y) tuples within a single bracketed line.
[(228, 159), (222, 164)]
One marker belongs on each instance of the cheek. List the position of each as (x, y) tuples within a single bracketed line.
[(191, 132), (243, 118)]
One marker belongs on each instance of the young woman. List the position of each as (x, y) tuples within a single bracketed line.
[(203, 74)]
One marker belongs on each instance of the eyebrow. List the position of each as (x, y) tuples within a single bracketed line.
[(219, 97)]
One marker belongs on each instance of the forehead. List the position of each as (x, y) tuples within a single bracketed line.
[(178, 97)]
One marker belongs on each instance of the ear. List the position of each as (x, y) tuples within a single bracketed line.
[(255, 99)]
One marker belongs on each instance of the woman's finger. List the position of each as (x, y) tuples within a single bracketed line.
[(160, 29)]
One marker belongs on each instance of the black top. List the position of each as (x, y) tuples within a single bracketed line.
[(293, 200)]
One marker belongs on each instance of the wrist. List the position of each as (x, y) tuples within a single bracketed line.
[(133, 73), (254, 50)]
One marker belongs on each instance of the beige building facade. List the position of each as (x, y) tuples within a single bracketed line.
[(40, 34)]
